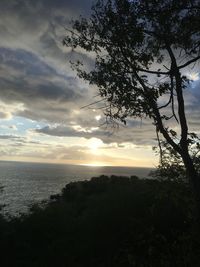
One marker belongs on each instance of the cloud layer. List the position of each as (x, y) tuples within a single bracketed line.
[(41, 97)]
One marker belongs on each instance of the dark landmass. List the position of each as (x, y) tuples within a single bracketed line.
[(107, 221)]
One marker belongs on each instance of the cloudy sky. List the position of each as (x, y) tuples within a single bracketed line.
[(41, 118)]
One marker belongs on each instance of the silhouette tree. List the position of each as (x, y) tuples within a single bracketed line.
[(171, 166), (142, 50)]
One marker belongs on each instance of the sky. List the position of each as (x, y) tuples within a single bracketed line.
[(41, 97)]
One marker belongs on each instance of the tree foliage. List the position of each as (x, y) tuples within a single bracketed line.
[(171, 166), (142, 50)]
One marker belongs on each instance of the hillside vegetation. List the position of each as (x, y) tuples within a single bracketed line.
[(107, 221)]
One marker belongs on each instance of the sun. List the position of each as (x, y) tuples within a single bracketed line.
[(193, 76), (94, 144)]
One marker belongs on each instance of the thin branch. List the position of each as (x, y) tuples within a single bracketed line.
[(99, 108), (166, 68), (159, 145), (189, 62), (153, 71), (93, 103), (172, 96), (158, 119), (71, 31), (167, 104), (180, 99)]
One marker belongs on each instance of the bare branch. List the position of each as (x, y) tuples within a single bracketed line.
[(93, 103), (189, 62), (159, 145), (167, 104), (180, 99), (153, 71)]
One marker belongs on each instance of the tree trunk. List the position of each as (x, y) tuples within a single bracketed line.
[(194, 181)]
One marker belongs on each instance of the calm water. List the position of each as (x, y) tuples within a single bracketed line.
[(26, 183)]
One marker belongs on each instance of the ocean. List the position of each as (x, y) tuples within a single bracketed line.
[(28, 183)]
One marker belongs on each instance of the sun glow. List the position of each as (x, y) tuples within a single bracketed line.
[(95, 164), (193, 76), (94, 144), (98, 117)]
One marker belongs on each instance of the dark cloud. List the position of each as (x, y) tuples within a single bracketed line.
[(137, 135), (45, 93), (65, 131), (76, 5), (34, 68), (25, 61), (11, 137)]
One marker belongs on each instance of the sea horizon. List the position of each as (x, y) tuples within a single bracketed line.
[(73, 164)]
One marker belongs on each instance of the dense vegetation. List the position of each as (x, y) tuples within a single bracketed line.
[(107, 221)]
